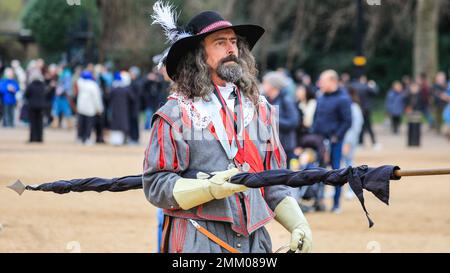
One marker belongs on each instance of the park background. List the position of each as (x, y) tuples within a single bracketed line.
[(397, 37)]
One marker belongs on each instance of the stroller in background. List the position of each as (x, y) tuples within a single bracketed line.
[(312, 153)]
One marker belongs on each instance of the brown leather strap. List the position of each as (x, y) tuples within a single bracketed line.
[(213, 237), (165, 234)]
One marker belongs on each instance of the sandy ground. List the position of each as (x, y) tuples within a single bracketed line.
[(418, 219)]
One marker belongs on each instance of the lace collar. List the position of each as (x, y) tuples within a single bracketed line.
[(199, 110)]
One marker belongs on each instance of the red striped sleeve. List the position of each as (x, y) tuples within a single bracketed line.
[(162, 158), (174, 153), (147, 164)]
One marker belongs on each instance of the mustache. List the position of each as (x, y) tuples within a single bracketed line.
[(230, 58)]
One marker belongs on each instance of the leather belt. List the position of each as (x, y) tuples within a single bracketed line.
[(213, 237)]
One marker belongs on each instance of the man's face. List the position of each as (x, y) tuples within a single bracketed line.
[(301, 93), (440, 79), (414, 88), (220, 45), (269, 90), (398, 87), (306, 80), (222, 55), (327, 83)]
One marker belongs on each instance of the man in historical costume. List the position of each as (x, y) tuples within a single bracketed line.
[(216, 122)]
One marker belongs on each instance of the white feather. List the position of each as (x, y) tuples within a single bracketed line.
[(183, 34), (165, 15)]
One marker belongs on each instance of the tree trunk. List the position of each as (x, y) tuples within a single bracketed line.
[(426, 38), (110, 19)]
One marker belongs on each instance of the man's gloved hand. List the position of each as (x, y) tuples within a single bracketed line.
[(190, 193), (220, 187), (290, 216)]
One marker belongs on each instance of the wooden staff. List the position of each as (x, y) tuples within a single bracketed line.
[(402, 173)]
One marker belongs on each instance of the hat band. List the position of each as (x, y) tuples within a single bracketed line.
[(215, 25)]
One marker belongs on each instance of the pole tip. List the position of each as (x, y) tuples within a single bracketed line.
[(18, 187)]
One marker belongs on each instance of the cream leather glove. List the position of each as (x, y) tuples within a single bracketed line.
[(290, 216), (190, 193)]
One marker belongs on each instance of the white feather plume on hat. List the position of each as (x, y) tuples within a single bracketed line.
[(165, 15)]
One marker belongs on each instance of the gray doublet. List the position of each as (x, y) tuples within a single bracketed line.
[(185, 138)]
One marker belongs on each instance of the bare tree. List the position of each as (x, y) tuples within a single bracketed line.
[(392, 19), (110, 11), (269, 14), (125, 29)]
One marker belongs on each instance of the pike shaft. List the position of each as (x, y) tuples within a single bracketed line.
[(402, 173)]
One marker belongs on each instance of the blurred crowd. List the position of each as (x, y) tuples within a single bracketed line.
[(94, 99), (321, 122), (420, 98)]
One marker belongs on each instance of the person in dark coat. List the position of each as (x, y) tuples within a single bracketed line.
[(366, 93), (164, 85), (154, 94), (101, 120), (120, 97), (414, 100), (426, 98), (415, 105), (273, 84), (105, 81), (150, 97), (395, 105), (51, 82), (332, 119), (134, 104), (439, 88), (35, 96)]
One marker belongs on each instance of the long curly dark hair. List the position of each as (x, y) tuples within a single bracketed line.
[(193, 78)]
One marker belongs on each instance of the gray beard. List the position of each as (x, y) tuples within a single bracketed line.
[(230, 72)]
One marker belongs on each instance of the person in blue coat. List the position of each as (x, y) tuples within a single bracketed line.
[(8, 89), (395, 105), (332, 119), (274, 84)]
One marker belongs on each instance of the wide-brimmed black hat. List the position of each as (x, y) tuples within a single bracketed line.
[(201, 26)]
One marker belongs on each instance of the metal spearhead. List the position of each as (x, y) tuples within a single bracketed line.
[(18, 187)]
